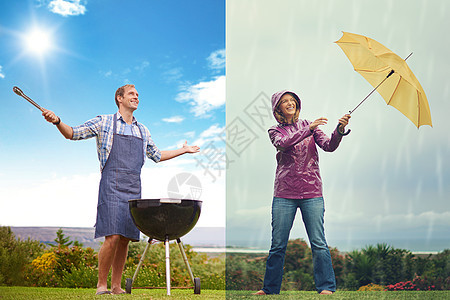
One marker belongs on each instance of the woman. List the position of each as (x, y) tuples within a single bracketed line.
[(298, 185)]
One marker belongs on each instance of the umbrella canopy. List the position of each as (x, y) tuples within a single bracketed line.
[(375, 63)]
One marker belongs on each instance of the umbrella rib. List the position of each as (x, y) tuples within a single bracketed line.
[(395, 90), (373, 71)]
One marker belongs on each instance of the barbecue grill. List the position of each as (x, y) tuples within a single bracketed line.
[(165, 220)]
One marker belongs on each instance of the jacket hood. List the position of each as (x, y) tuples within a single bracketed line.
[(276, 99)]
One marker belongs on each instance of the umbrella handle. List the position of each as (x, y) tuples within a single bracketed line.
[(340, 132)]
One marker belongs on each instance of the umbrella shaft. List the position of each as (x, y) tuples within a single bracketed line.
[(390, 73)]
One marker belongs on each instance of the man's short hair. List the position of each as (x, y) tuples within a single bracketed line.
[(121, 92)]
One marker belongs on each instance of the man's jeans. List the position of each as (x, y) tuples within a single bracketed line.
[(283, 214)]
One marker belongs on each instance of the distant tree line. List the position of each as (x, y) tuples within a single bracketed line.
[(380, 265), (67, 263)]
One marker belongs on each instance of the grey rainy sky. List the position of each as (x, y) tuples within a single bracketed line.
[(388, 181)]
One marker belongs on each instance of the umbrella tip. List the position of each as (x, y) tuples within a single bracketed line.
[(408, 56)]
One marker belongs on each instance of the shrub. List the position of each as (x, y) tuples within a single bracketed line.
[(44, 262), (421, 284), (338, 264), (402, 286), (371, 287), (150, 275), (15, 254), (244, 271), (380, 264), (73, 258), (54, 268), (298, 280), (81, 277), (349, 282), (41, 271), (298, 256), (361, 266)]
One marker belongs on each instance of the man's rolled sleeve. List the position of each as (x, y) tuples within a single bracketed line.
[(87, 130), (152, 151)]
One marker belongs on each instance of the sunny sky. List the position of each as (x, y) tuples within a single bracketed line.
[(70, 56), (388, 181)]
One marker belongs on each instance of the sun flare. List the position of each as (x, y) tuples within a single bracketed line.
[(38, 41)]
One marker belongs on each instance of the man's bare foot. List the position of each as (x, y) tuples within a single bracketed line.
[(102, 290), (117, 291), (260, 292), (326, 292)]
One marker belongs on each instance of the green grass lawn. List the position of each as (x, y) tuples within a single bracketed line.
[(29, 293), (352, 295), (61, 293)]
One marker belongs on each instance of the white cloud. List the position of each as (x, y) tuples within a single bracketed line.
[(189, 134), (212, 131), (2, 75), (212, 134), (67, 7), (204, 96), (173, 74), (107, 73), (117, 74), (174, 119), (142, 66), (216, 59)]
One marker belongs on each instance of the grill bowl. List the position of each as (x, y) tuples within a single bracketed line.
[(165, 218)]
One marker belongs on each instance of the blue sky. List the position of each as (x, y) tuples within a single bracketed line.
[(173, 51)]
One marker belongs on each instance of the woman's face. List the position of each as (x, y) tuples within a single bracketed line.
[(288, 106)]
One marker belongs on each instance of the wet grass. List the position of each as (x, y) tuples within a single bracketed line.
[(352, 295)]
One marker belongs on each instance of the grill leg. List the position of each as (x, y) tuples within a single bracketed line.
[(186, 262), (195, 281), (166, 243), (129, 282)]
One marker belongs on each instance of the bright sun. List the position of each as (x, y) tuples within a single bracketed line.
[(38, 41)]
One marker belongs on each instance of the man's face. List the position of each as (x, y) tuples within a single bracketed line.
[(130, 99)]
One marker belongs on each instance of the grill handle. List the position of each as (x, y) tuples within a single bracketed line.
[(170, 200)]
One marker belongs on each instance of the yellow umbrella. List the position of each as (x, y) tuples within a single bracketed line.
[(389, 74)]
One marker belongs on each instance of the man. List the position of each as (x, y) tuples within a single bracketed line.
[(122, 143)]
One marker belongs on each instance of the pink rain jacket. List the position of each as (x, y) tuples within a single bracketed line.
[(297, 175)]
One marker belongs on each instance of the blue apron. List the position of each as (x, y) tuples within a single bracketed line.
[(120, 182)]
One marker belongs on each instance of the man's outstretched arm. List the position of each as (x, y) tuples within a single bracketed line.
[(168, 154), (65, 129)]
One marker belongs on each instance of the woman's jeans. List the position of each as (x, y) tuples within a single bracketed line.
[(283, 214)]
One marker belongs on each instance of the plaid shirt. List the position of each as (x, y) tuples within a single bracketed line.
[(102, 128)]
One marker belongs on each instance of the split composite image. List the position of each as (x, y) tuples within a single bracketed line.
[(224, 149)]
